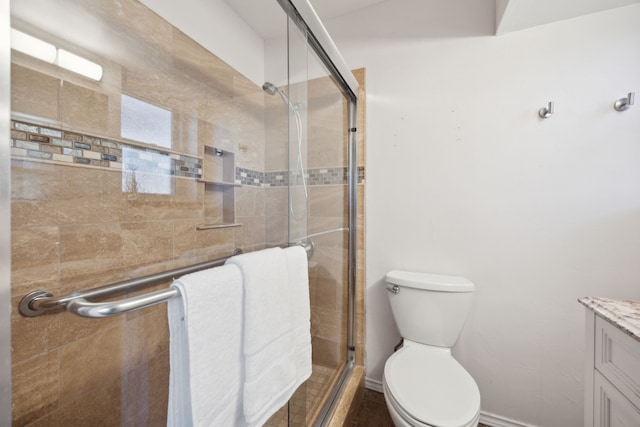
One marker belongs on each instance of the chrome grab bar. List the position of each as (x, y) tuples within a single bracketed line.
[(37, 303), (40, 302), (85, 308)]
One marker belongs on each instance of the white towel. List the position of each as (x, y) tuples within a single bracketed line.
[(300, 311), (206, 323), (270, 367)]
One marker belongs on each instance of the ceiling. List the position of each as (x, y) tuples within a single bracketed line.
[(266, 17), (520, 14)]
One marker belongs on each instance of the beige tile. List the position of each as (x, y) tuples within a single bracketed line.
[(85, 109), (28, 334), (215, 243), (250, 201), (34, 259), (323, 293), (275, 230), (213, 165), (89, 250), (276, 202), (154, 415), (102, 357), (326, 323), (214, 203), (326, 352), (45, 194), (184, 202), (64, 328), (99, 407), (201, 66), (34, 93), (330, 200), (144, 385), (34, 388), (143, 338), (332, 263), (252, 232)]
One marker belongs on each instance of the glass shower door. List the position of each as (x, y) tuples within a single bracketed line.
[(318, 208)]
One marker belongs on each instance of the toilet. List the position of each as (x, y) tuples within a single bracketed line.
[(424, 386)]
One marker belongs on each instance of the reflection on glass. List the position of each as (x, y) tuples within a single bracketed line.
[(146, 172), (144, 122)]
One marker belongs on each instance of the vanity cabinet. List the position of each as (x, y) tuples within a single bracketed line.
[(612, 372)]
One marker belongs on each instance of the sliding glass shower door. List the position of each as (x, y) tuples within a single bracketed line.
[(157, 155), (309, 120)]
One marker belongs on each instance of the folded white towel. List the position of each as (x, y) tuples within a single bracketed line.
[(300, 311), (270, 367), (206, 323)]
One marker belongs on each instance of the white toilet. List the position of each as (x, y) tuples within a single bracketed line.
[(423, 384)]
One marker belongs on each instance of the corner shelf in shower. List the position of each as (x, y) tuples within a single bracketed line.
[(219, 189)]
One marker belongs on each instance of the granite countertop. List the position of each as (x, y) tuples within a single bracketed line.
[(625, 315)]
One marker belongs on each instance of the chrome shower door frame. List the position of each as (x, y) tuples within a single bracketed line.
[(302, 13), (5, 216)]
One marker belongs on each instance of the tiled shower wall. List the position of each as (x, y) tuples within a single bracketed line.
[(75, 226)]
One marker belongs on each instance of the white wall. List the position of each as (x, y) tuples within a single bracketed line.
[(464, 178), (217, 27)]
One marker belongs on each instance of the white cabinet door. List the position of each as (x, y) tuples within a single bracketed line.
[(611, 408)]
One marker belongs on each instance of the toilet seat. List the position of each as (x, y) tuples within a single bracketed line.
[(428, 386)]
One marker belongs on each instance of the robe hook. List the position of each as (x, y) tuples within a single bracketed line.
[(624, 103), (546, 112)]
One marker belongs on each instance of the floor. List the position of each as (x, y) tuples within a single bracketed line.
[(372, 411)]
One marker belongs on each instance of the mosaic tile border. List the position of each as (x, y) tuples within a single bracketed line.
[(320, 176), (38, 142)]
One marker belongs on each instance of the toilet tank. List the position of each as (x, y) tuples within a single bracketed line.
[(429, 308)]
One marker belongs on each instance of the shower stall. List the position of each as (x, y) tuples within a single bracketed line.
[(130, 154)]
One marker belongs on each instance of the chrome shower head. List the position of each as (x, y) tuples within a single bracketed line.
[(270, 88)]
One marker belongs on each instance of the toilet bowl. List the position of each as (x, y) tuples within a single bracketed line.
[(424, 386)]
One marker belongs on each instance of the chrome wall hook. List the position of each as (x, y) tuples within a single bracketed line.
[(624, 103), (546, 112)]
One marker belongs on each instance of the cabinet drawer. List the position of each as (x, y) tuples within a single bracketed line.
[(611, 408), (617, 357)]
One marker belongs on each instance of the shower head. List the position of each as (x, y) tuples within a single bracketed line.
[(270, 88)]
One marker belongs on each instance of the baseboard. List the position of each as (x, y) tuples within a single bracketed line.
[(374, 385), (494, 420)]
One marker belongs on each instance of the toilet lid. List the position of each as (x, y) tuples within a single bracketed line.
[(432, 386)]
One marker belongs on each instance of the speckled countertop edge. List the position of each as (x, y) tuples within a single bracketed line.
[(625, 315)]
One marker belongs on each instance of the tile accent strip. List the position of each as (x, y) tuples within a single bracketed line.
[(320, 176), (47, 143)]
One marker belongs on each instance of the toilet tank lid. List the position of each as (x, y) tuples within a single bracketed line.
[(429, 281)]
